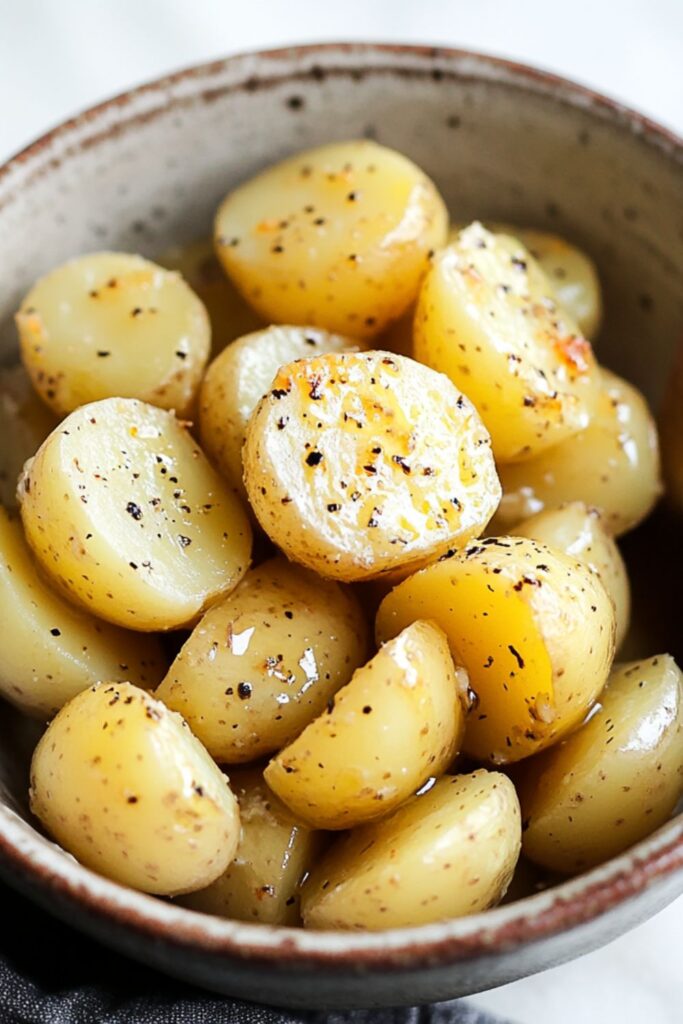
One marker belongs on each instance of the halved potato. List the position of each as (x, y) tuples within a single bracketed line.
[(534, 630), (360, 464), (127, 517), (25, 422), (123, 785), (616, 779), (112, 324), (447, 853), (338, 237), (397, 723)]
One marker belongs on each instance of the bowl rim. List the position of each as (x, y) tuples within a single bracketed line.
[(28, 859)]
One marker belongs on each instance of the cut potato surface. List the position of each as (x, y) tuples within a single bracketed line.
[(114, 325), (264, 662), (339, 237), (123, 785), (359, 464), (613, 781), (534, 630), (487, 318), (128, 518), (237, 380), (396, 724), (447, 853), (25, 422)]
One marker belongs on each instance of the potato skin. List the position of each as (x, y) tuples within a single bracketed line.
[(261, 664), (338, 237), (120, 504), (123, 785), (447, 853), (366, 463), (616, 779), (25, 422), (398, 722), (112, 324), (533, 628)]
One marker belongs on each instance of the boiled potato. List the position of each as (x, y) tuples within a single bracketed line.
[(114, 325), (238, 379), (447, 853), (263, 881), (338, 237), (615, 780), (613, 465), (534, 630), (671, 425), (486, 317), (398, 722), (127, 517), (264, 662), (25, 422), (359, 464), (123, 785), (578, 532), (51, 650)]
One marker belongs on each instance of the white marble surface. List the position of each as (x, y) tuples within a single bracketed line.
[(58, 56)]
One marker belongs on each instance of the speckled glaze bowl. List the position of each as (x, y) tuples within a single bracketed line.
[(147, 169)]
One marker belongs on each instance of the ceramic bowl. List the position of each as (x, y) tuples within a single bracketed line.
[(147, 169)]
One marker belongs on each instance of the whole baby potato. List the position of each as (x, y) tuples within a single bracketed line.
[(616, 779), (121, 783), (25, 422), (396, 724), (357, 464), (261, 664), (110, 325), (534, 630), (447, 853), (129, 520), (337, 237)]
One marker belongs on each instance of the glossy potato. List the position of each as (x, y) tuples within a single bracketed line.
[(238, 379), (398, 722), (534, 630), (127, 517), (264, 662), (360, 464), (25, 422), (613, 465), (262, 884), (447, 853), (338, 237), (487, 318), (615, 780), (123, 785)]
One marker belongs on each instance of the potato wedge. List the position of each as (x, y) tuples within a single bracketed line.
[(534, 630), (447, 853), (398, 722), (360, 464), (129, 520), (264, 662), (486, 317), (25, 422), (337, 237), (114, 325), (123, 785), (616, 779)]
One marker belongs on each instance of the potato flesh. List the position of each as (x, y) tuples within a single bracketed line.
[(534, 630), (486, 317), (615, 780), (113, 325), (25, 422), (397, 723), (447, 853), (338, 237), (359, 464), (237, 380), (613, 466), (265, 661), (127, 517), (123, 785)]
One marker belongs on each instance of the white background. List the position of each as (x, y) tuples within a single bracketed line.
[(59, 56)]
